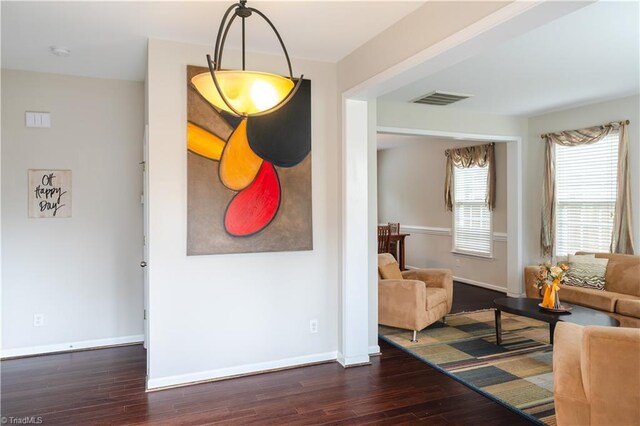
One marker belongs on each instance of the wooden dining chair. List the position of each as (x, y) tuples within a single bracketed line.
[(394, 229), (383, 239)]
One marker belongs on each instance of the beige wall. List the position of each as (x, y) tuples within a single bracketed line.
[(627, 108), (82, 272), (410, 191), (257, 304)]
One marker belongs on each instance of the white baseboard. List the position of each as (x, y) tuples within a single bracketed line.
[(240, 370), (481, 284), (353, 361), (374, 350), (71, 346)]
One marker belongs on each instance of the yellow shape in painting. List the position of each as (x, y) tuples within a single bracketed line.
[(239, 164), (202, 142)]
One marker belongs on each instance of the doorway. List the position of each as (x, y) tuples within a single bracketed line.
[(411, 185)]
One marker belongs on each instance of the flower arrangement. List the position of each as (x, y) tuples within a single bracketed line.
[(549, 279)]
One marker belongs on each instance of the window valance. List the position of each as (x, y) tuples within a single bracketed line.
[(470, 156)]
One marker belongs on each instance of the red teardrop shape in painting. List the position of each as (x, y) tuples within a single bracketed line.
[(254, 207)]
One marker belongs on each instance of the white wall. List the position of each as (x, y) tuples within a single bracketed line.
[(409, 118), (410, 191), (220, 315), (424, 117), (372, 219), (82, 273), (627, 108)]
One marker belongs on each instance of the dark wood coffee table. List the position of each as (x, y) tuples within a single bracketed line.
[(529, 308)]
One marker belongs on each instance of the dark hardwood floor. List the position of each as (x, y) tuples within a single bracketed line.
[(471, 298), (106, 386)]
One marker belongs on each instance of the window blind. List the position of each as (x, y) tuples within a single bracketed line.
[(472, 218), (586, 185)]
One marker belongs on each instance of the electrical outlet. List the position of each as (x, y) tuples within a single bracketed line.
[(38, 320), (313, 326), (457, 265)]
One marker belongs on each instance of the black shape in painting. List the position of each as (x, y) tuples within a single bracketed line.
[(283, 137)]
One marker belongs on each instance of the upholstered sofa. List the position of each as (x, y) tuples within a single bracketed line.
[(620, 297), (413, 299), (596, 375)]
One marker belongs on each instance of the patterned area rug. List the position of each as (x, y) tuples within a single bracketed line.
[(517, 374)]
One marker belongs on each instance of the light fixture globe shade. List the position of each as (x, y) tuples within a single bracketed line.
[(249, 92)]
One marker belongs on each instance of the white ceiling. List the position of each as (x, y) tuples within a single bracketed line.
[(109, 39), (587, 56)]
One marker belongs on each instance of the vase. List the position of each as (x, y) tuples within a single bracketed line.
[(556, 299), (551, 298), (548, 298)]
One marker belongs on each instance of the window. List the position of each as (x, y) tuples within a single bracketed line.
[(472, 226), (586, 185)]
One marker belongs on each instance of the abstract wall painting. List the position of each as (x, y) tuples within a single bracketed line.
[(49, 193), (248, 180)]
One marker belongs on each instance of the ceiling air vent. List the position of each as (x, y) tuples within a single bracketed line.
[(441, 98)]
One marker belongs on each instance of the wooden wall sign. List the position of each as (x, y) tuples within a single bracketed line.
[(49, 193)]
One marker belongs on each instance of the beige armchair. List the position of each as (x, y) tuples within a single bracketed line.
[(596, 375), (412, 299)]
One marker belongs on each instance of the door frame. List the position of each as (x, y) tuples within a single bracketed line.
[(515, 257), (145, 236)]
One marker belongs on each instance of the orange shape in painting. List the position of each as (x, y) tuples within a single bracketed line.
[(239, 164), (203, 142)]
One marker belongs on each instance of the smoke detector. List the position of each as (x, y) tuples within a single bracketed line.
[(59, 51), (440, 98)]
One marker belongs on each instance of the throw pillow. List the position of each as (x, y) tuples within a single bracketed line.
[(586, 271), (390, 271), (581, 257)]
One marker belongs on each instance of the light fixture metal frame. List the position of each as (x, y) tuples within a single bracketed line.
[(240, 9)]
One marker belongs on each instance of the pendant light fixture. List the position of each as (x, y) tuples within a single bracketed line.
[(240, 92)]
